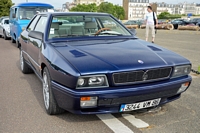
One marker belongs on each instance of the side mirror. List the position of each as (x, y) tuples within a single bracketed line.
[(36, 35), (13, 15), (133, 31)]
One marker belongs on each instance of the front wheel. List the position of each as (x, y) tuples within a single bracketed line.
[(50, 103)]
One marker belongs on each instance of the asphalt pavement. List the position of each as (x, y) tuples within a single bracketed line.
[(22, 109)]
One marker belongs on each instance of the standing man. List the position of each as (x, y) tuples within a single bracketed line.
[(151, 22)]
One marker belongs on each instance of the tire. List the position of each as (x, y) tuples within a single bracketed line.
[(50, 103), (4, 35), (12, 40), (23, 65), (176, 27)]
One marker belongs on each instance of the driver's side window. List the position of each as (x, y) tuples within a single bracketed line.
[(33, 23)]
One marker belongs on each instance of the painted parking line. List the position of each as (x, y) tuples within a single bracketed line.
[(135, 122), (114, 124)]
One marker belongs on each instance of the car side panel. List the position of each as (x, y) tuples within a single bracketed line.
[(24, 42), (33, 49)]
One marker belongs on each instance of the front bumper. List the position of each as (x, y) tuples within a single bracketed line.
[(110, 99), (7, 33)]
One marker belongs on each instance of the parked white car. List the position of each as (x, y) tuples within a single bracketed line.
[(5, 28)]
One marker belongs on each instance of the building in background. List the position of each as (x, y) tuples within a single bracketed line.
[(198, 9), (171, 8), (67, 6), (189, 8), (97, 2), (135, 9)]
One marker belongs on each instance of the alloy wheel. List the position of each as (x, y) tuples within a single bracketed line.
[(46, 91)]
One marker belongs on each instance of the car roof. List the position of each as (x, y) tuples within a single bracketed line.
[(75, 13), (5, 18), (29, 4)]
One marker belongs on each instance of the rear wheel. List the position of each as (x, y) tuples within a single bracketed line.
[(23, 65), (50, 103)]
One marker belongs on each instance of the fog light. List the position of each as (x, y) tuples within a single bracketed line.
[(88, 102), (183, 87)]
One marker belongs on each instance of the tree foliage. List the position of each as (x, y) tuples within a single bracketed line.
[(5, 7), (104, 7), (167, 15), (163, 15), (115, 10), (85, 8), (119, 12)]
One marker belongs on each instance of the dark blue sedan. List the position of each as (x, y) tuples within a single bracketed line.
[(94, 64)]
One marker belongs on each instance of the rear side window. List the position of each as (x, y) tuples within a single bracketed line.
[(33, 23)]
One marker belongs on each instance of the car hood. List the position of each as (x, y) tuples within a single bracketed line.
[(108, 56)]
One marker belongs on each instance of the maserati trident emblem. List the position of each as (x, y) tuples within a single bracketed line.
[(140, 61), (145, 76)]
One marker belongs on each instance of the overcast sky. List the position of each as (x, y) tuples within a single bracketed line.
[(58, 3)]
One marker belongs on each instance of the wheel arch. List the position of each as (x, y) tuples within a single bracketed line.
[(43, 65)]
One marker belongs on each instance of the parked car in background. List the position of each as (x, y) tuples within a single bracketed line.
[(135, 22), (21, 14), (178, 22), (141, 22), (88, 68), (198, 23), (161, 21), (5, 28), (195, 20), (3, 17), (131, 22)]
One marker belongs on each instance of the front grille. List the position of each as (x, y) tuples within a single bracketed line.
[(142, 76)]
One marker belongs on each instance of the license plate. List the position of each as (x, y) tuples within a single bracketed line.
[(140, 105)]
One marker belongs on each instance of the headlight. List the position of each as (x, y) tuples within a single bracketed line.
[(181, 70), (93, 81)]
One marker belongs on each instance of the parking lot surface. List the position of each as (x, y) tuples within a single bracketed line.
[(22, 109)]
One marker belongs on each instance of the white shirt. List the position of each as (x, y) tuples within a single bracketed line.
[(149, 18)]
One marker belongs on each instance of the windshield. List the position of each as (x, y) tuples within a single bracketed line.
[(27, 13), (6, 21), (85, 25)]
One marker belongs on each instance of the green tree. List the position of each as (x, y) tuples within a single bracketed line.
[(5, 7), (85, 8), (119, 12), (164, 15), (115, 10), (106, 7)]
